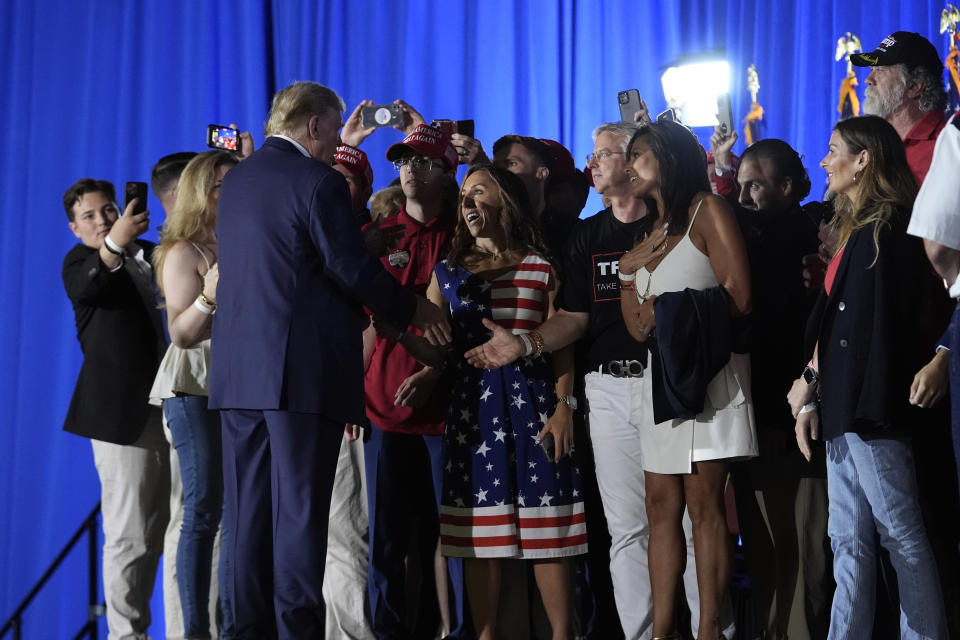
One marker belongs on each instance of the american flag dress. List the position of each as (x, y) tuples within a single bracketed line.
[(502, 497)]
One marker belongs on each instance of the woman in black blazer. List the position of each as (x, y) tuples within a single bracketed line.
[(868, 341)]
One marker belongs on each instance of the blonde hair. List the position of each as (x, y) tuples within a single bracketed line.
[(386, 202), (885, 185), (294, 105), (191, 218)]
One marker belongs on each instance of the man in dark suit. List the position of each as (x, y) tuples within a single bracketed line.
[(781, 499), (109, 280), (286, 360)]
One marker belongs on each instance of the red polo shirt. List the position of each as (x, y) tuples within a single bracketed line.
[(920, 141), (411, 263)]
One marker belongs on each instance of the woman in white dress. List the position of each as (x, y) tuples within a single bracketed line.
[(695, 244)]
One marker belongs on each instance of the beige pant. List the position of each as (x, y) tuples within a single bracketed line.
[(134, 491), (345, 574), (172, 611)]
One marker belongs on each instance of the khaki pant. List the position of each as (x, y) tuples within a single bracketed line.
[(134, 494)]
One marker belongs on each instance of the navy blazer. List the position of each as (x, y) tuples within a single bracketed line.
[(871, 332), (692, 345), (294, 272), (122, 342)]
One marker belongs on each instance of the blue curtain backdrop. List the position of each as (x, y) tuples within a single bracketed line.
[(105, 88)]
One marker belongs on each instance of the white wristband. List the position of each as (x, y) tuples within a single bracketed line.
[(204, 309), (626, 277), (807, 408), (112, 246), (527, 344)]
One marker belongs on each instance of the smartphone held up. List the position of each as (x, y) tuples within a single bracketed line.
[(136, 190), (223, 137), (381, 115)]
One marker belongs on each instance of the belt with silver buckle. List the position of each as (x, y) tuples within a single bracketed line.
[(622, 368)]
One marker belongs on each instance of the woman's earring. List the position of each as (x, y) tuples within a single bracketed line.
[(856, 176)]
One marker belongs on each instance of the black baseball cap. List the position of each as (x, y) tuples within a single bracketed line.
[(902, 47)]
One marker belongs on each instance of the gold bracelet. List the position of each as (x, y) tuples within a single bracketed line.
[(537, 343), (207, 301)]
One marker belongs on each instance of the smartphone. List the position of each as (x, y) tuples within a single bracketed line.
[(629, 102), (136, 190), (221, 137), (667, 114), (450, 127), (724, 114), (549, 446), (381, 115)]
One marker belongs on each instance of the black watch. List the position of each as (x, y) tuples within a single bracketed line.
[(811, 375)]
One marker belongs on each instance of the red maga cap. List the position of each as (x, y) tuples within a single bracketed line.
[(355, 161), (425, 141)]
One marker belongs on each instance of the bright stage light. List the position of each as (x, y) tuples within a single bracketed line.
[(692, 90)]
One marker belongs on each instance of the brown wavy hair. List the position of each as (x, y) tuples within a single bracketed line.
[(520, 225), (886, 185)]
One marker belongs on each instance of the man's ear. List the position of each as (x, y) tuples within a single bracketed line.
[(313, 125), (786, 186), (542, 173), (74, 227), (913, 90)]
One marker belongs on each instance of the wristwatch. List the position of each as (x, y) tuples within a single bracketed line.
[(571, 401), (811, 375)]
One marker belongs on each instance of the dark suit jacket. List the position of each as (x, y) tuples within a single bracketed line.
[(872, 334), (122, 345), (294, 272)]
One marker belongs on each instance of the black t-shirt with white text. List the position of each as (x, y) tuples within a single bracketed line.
[(591, 285)]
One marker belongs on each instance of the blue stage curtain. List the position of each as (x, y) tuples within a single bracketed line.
[(104, 88)]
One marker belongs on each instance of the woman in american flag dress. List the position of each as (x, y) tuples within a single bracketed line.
[(503, 497)]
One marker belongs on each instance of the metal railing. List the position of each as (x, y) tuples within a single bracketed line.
[(95, 607)]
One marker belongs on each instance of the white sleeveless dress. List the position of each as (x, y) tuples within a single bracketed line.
[(726, 427)]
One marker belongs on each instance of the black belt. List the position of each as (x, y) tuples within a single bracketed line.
[(621, 368)]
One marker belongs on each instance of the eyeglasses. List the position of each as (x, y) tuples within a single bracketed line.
[(603, 154), (416, 163)]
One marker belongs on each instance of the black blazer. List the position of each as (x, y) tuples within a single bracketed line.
[(121, 341), (871, 332)]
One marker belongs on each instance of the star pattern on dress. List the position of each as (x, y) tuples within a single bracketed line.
[(487, 406)]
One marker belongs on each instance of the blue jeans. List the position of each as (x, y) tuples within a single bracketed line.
[(872, 486), (398, 489), (196, 437)]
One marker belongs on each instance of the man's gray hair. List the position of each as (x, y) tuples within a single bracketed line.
[(933, 95), (622, 130), (296, 104)]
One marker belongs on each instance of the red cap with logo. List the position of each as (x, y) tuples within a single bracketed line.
[(425, 141), (355, 161)]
